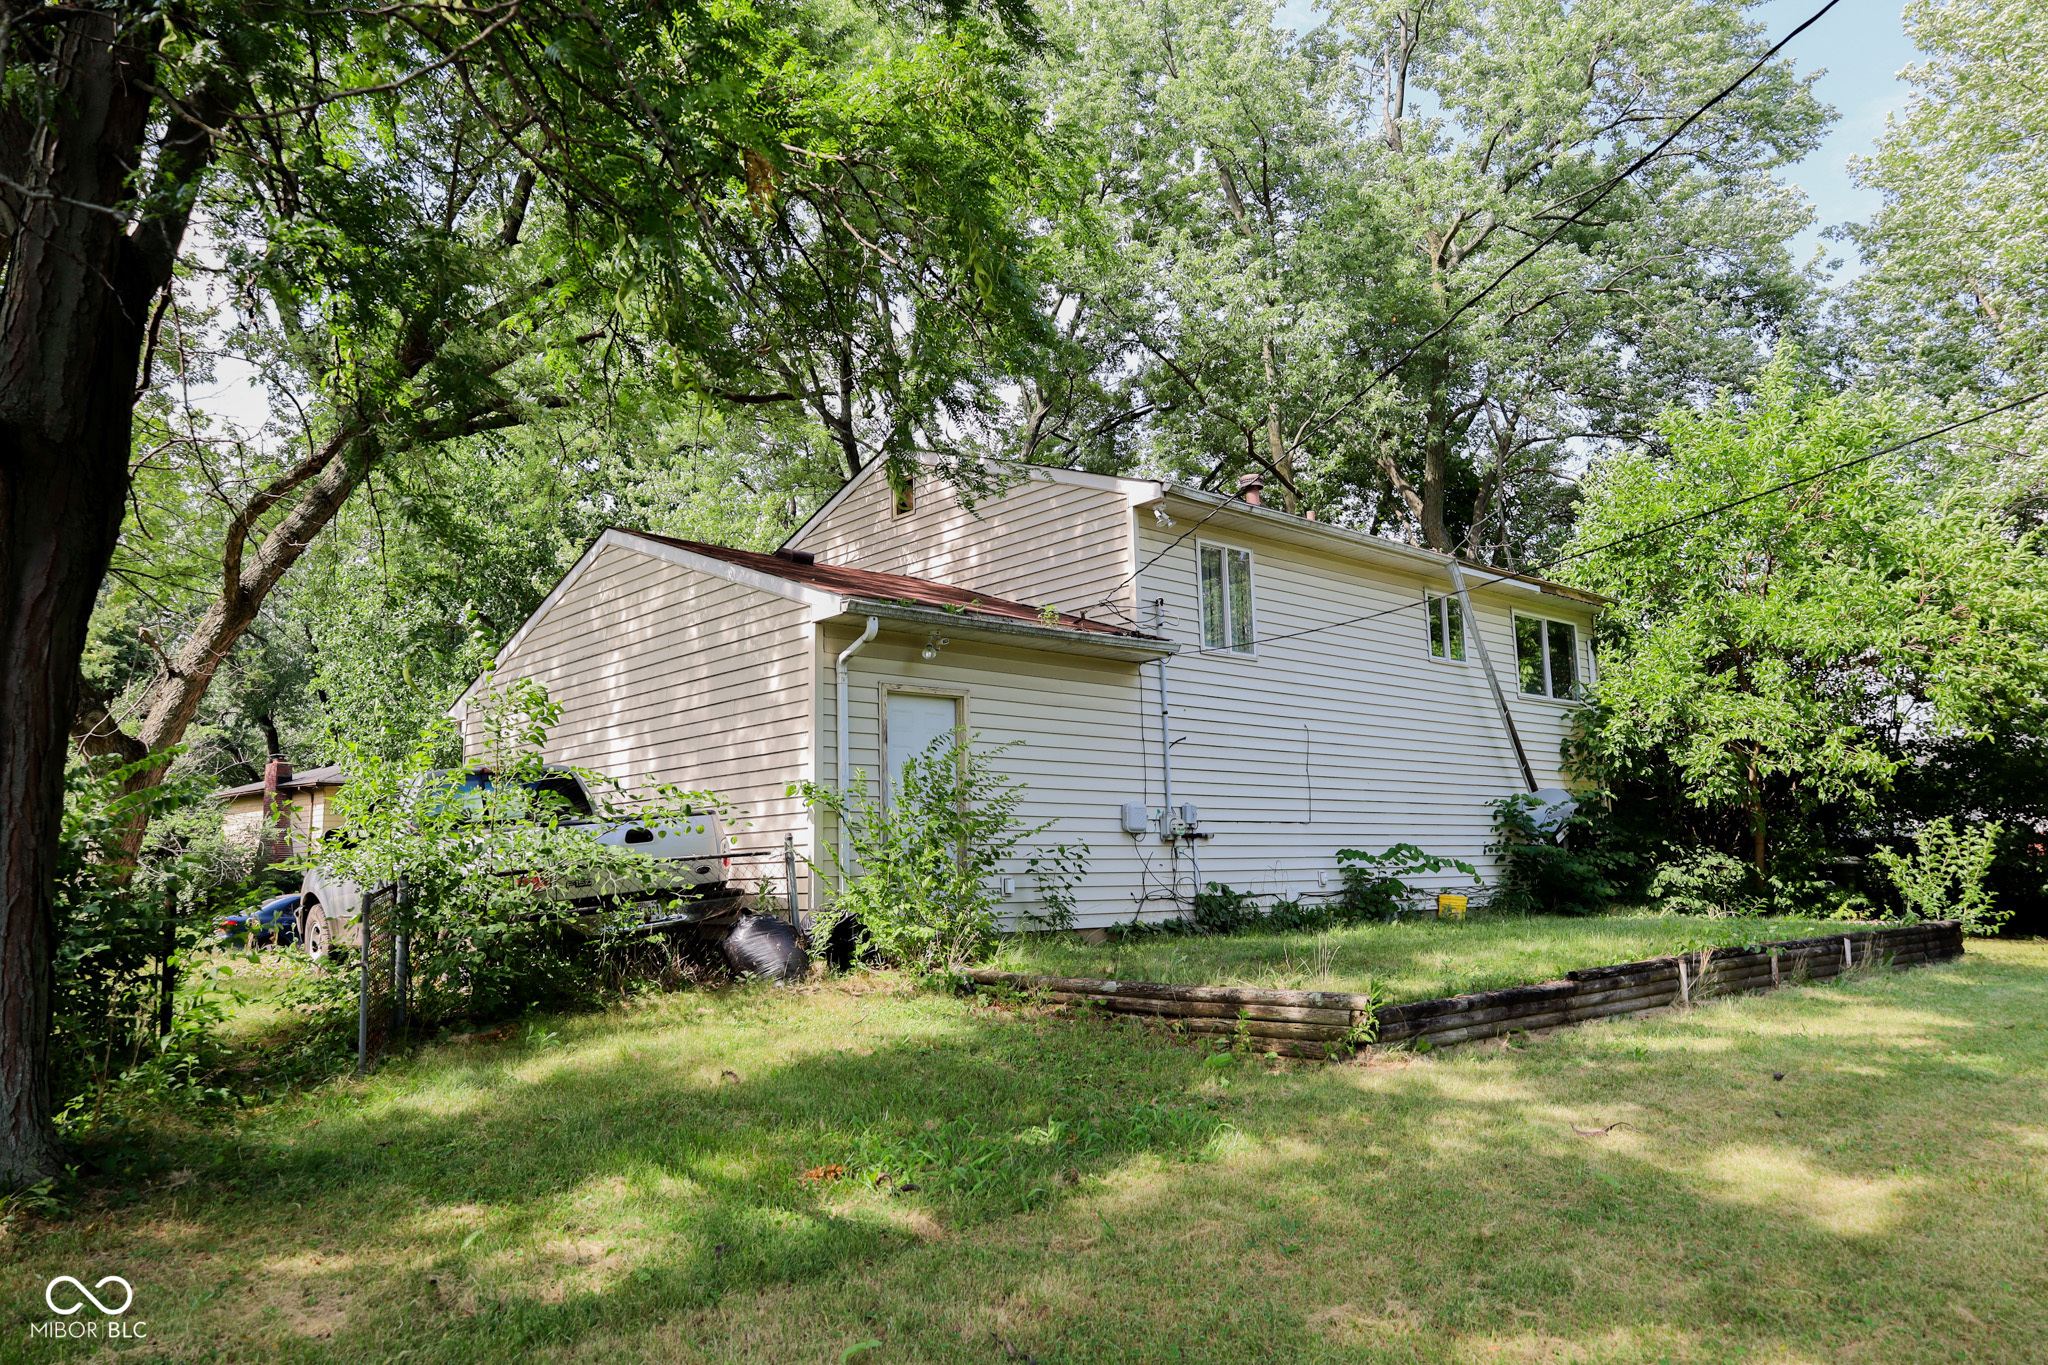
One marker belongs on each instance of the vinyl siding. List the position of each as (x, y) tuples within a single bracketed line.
[(670, 675), (1073, 723), (1041, 542), (1353, 737)]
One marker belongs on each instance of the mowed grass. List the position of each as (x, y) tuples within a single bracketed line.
[(1417, 959), (631, 1186)]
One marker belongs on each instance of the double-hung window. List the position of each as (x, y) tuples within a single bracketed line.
[(1446, 627), (1547, 657), (1226, 598)]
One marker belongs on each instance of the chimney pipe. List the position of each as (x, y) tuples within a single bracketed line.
[(277, 811), (1251, 488)]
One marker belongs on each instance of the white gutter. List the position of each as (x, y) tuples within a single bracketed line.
[(845, 757)]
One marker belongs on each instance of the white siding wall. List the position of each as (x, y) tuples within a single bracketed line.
[(1347, 738), (1041, 542), (683, 677), (1352, 738), (1075, 721)]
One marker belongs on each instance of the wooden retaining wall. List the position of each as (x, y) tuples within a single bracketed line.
[(1318, 1023)]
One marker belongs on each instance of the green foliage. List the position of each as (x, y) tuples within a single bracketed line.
[(1275, 218), (1375, 884), (1704, 882), (1944, 877), (924, 866), (125, 935), (1760, 666), (495, 877), (1568, 869)]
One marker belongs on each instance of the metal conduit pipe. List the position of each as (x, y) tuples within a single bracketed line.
[(1166, 814), (845, 748)]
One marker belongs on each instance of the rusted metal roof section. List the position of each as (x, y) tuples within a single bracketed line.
[(901, 589)]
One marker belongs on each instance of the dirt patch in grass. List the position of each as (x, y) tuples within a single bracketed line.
[(1090, 1191)]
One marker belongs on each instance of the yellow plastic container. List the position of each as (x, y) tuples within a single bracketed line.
[(1450, 907)]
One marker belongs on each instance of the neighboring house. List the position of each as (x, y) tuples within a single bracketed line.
[(1326, 689), (288, 810)]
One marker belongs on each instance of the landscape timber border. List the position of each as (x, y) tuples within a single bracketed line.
[(1327, 1024)]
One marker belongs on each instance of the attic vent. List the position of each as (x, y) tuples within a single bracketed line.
[(796, 556)]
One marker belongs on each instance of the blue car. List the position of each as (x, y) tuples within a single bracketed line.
[(275, 921)]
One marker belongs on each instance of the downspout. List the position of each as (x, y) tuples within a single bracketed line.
[(1500, 699), (845, 758)]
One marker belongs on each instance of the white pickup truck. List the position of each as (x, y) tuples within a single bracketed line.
[(686, 873)]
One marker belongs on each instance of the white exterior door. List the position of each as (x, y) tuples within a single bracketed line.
[(914, 721)]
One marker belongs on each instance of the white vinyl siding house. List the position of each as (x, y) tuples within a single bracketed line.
[(1064, 543), (669, 672), (1327, 690)]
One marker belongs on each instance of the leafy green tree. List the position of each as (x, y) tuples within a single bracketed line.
[(1952, 306), (368, 174), (1777, 656), (1277, 220), (1952, 300)]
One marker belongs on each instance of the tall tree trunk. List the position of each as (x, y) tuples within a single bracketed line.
[(76, 303), (1436, 450)]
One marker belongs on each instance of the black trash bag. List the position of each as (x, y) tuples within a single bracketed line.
[(765, 946)]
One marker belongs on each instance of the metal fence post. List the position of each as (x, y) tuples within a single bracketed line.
[(789, 870), (363, 992), (401, 973)]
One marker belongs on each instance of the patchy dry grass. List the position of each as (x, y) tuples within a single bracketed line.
[(1416, 959), (1024, 1186)]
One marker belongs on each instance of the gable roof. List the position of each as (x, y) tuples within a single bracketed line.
[(832, 590), (1318, 535), (329, 776)]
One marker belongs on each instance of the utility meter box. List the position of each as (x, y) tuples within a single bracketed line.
[(1137, 817)]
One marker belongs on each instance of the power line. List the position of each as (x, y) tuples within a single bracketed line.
[(1675, 522), (1599, 193)]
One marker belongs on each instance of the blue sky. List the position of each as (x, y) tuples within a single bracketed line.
[(1861, 45)]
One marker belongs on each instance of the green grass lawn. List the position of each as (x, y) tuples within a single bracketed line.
[(1005, 1183), (1416, 959)]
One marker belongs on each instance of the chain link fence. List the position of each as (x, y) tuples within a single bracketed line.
[(385, 985)]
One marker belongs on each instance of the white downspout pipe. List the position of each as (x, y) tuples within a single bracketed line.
[(839, 774)]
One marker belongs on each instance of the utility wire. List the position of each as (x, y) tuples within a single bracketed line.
[(1676, 522), (1600, 193)]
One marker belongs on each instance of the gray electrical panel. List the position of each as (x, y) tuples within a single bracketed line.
[(1137, 817)]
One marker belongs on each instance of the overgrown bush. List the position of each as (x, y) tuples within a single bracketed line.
[(1375, 884), (1552, 866), (495, 879), (923, 879), (1373, 889), (1703, 881), (125, 931), (1945, 876)]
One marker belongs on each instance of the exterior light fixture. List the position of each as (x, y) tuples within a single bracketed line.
[(1159, 515), (934, 644)]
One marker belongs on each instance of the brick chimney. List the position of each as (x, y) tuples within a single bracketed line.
[(1252, 488), (277, 810)]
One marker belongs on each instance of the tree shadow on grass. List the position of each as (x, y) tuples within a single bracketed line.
[(593, 1197)]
